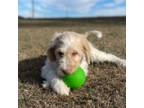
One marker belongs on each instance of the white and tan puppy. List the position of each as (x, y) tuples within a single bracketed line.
[(66, 51)]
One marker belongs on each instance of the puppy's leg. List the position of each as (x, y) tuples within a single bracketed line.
[(59, 86), (100, 56), (51, 79)]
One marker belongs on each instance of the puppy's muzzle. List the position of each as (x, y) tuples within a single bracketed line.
[(67, 70)]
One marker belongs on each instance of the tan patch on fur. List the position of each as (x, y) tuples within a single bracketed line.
[(86, 48)]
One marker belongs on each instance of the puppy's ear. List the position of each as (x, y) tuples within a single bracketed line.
[(52, 46), (51, 53), (86, 49)]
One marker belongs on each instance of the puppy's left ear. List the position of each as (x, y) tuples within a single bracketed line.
[(86, 49)]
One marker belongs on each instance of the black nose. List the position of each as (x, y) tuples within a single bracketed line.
[(64, 71)]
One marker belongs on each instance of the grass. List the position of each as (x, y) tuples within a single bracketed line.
[(105, 85)]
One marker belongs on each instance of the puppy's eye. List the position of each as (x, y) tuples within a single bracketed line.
[(74, 53), (61, 54)]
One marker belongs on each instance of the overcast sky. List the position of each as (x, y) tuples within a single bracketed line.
[(72, 8)]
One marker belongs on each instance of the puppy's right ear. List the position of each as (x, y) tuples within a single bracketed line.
[(51, 53), (52, 46)]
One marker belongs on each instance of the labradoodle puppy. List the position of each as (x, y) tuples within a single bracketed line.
[(66, 51)]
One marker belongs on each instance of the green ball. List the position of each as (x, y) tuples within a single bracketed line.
[(76, 79)]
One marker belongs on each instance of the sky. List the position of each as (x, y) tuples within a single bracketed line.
[(72, 8)]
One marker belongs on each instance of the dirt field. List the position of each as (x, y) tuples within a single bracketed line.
[(105, 86)]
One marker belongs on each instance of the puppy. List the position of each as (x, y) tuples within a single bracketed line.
[(66, 51)]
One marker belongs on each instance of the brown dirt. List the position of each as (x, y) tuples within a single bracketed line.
[(105, 86)]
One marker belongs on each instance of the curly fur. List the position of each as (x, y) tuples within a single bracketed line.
[(66, 51)]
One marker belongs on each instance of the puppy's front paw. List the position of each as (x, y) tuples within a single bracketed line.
[(61, 88)]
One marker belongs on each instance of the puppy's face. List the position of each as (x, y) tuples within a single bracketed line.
[(67, 51)]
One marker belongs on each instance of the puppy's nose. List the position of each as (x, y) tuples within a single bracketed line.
[(67, 70)]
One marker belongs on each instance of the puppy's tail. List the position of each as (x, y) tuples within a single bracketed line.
[(96, 33)]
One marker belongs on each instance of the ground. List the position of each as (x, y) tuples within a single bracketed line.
[(105, 85)]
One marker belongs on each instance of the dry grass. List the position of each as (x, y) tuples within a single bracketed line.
[(105, 86)]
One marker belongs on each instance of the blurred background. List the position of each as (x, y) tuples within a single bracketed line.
[(70, 8)]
